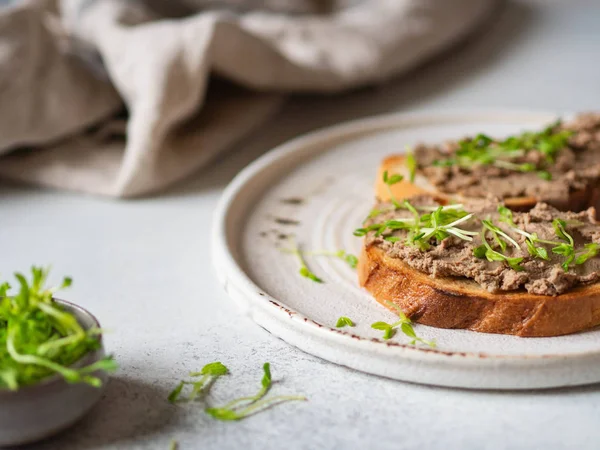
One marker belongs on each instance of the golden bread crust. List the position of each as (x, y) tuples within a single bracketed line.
[(463, 304)]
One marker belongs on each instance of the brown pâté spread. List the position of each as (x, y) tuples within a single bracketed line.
[(538, 267), (549, 165)]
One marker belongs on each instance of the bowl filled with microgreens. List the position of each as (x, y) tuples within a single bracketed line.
[(53, 368)]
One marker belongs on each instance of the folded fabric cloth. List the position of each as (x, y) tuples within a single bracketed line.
[(115, 97)]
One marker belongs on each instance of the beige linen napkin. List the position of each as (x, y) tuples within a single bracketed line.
[(114, 97)]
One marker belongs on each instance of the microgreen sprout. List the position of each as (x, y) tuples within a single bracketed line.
[(243, 407), (406, 205), (531, 240), (536, 252), (559, 229), (380, 228), (174, 445), (452, 206), (523, 167), (486, 251), (405, 324), (208, 374), (437, 224), (591, 250), (567, 248), (440, 230), (497, 232), (483, 150), (388, 329), (415, 234), (544, 175), (38, 338), (506, 215), (344, 321), (348, 258), (389, 181), (304, 270), (411, 164)]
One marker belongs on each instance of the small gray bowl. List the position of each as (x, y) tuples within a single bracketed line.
[(38, 411)]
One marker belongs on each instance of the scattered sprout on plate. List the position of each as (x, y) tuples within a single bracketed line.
[(405, 324), (295, 249), (344, 321)]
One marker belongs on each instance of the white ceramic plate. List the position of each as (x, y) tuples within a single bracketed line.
[(319, 187)]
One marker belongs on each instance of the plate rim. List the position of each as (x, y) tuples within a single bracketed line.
[(230, 273)]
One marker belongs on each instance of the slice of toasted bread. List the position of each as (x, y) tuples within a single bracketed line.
[(396, 164), (462, 303)]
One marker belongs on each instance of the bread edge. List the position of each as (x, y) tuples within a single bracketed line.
[(396, 164), (456, 303)]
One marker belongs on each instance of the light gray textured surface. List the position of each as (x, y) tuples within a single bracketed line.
[(142, 267)]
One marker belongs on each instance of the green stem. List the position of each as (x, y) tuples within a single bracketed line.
[(199, 386), (533, 238), (69, 374), (51, 345), (259, 406), (66, 320), (393, 198)]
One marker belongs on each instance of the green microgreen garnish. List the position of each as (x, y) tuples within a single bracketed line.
[(304, 270), (405, 324), (389, 181), (536, 252), (486, 251), (174, 445), (243, 407), (438, 224), (348, 258), (531, 239), (344, 321), (497, 233), (523, 167), (380, 228), (208, 374), (38, 338), (480, 251), (591, 250), (559, 229), (415, 234), (567, 248), (306, 273), (544, 175), (388, 329), (411, 164), (406, 205), (483, 150), (506, 215)]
